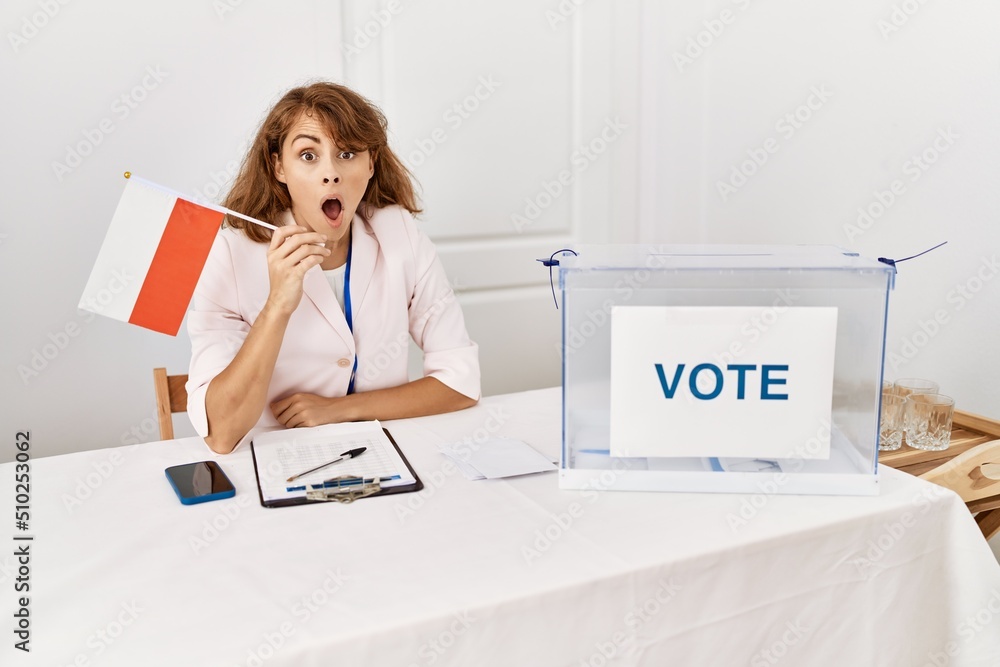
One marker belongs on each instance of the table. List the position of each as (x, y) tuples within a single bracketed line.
[(502, 572)]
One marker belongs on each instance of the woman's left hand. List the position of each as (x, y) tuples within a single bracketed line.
[(308, 410)]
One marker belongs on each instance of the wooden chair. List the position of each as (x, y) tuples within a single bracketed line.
[(171, 397)]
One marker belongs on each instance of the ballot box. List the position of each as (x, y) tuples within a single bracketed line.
[(749, 369)]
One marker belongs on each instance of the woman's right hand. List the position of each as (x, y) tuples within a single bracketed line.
[(293, 251)]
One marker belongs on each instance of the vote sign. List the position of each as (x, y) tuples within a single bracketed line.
[(722, 381)]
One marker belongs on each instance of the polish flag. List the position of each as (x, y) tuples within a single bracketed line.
[(152, 257)]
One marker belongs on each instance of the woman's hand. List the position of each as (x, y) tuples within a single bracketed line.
[(426, 396), (238, 394), (293, 251), (309, 410)]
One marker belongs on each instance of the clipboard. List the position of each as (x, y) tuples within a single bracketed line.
[(417, 485)]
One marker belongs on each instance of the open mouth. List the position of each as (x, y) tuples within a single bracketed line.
[(332, 208)]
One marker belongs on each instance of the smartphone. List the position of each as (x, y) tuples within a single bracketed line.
[(200, 482)]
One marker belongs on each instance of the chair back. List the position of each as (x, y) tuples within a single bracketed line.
[(171, 397)]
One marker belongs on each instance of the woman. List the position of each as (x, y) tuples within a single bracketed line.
[(309, 324)]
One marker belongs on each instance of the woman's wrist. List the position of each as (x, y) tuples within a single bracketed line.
[(273, 313), (351, 408)]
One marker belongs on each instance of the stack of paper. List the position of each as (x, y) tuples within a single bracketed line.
[(496, 457)]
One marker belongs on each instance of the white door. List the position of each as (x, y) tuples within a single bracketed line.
[(513, 119)]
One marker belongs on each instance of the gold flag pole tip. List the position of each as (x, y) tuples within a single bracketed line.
[(128, 174)]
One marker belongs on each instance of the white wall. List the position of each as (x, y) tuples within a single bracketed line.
[(565, 72), (898, 77), (79, 381), (170, 92)]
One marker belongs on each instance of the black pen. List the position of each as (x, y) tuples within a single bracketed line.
[(346, 455)]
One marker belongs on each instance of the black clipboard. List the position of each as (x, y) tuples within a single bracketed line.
[(288, 502)]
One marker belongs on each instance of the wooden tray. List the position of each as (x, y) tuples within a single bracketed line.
[(968, 431)]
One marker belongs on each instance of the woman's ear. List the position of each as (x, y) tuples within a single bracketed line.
[(372, 156), (279, 170)]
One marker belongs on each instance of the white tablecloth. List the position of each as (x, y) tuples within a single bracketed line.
[(502, 572)]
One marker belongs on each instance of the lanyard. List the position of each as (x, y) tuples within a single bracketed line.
[(348, 312)]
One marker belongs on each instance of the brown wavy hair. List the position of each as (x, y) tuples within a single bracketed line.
[(354, 123)]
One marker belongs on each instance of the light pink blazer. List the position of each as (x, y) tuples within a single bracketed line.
[(398, 290)]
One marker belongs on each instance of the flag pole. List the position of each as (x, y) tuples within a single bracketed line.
[(214, 207)]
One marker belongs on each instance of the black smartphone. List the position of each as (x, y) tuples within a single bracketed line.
[(200, 482)]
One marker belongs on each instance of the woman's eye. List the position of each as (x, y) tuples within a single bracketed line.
[(308, 156), (346, 155)]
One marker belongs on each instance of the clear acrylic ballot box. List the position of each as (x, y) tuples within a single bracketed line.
[(744, 369)]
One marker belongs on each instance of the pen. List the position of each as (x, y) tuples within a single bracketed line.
[(334, 483), (343, 457)]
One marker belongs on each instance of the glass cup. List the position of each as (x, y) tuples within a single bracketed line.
[(927, 420), (890, 432), (906, 386)]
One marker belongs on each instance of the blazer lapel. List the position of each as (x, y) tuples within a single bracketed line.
[(316, 287), (364, 252)]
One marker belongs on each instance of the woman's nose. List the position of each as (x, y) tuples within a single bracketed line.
[(331, 174)]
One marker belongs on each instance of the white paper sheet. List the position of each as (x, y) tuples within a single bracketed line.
[(498, 457), (281, 454)]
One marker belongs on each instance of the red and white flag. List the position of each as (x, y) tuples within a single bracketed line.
[(152, 257)]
